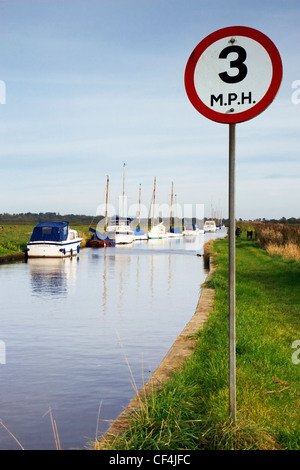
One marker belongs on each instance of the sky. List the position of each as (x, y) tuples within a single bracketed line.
[(87, 85)]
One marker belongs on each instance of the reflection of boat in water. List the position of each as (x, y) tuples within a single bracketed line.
[(52, 278), (53, 240), (159, 230)]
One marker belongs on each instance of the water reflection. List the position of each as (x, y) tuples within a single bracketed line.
[(52, 277), (70, 357)]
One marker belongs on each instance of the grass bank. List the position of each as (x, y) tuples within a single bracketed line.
[(191, 410)]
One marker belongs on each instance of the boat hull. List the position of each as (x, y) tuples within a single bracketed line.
[(157, 235), (174, 234), (52, 249), (99, 243), (141, 237), (158, 232), (121, 238)]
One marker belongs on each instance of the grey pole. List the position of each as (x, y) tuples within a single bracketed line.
[(232, 340)]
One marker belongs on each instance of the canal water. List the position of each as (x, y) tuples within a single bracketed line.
[(75, 335)]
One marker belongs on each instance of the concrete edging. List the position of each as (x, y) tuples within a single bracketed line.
[(175, 358)]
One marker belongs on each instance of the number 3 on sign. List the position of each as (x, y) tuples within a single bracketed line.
[(238, 63), (233, 74)]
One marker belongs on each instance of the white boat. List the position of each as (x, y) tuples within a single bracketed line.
[(191, 230), (139, 234), (120, 231), (158, 231), (174, 232), (53, 240), (210, 226)]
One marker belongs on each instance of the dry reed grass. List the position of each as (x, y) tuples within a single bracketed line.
[(289, 250), (279, 239)]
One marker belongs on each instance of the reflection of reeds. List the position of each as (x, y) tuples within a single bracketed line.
[(279, 239), (2, 424), (54, 429)]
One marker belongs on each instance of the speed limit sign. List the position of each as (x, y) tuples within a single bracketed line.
[(233, 74)]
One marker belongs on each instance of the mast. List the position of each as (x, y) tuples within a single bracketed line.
[(107, 181), (171, 208), (123, 191), (140, 206), (154, 200)]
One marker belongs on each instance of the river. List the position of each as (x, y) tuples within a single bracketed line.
[(75, 334)]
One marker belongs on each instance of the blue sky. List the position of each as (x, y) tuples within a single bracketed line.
[(91, 84)]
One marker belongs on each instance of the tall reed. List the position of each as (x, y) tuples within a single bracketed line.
[(279, 239)]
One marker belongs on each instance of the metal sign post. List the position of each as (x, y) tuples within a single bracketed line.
[(232, 76), (231, 272)]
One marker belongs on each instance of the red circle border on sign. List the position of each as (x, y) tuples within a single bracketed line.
[(258, 107)]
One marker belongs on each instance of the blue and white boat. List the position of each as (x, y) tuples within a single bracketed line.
[(139, 234), (53, 240)]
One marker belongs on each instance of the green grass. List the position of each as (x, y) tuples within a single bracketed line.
[(191, 411), (14, 239)]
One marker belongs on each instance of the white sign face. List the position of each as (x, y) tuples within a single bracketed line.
[(233, 74)]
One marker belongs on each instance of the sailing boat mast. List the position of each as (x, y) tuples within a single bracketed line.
[(107, 182), (123, 191), (140, 206), (171, 224), (154, 201)]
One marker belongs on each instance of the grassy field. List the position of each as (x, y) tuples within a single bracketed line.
[(191, 410), (13, 238)]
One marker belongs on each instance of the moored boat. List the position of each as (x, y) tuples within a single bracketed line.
[(99, 239), (157, 231), (210, 226), (120, 231), (190, 230), (139, 234), (53, 240), (173, 231)]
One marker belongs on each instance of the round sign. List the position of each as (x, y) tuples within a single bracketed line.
[(233, 74)]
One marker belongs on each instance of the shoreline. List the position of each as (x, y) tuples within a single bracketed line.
[(12, 257), (175, 358)]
